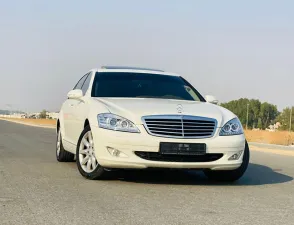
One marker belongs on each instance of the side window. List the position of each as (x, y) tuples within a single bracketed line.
[(81, 82), (95, 84), (86, 84)]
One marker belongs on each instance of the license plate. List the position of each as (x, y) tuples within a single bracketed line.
[(182, 148)]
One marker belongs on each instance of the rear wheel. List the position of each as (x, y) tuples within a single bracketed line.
[(61, 154), (86, 159), (230, 175)]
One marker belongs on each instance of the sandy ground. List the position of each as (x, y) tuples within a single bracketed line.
[(34, 122), (279, 137)]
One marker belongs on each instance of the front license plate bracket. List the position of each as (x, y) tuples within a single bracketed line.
[(167, 148)]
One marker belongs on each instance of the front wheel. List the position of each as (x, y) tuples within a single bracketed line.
[(230, 175), (86, 160), (61, 154)]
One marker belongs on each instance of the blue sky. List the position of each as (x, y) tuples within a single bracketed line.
[(230, 49)]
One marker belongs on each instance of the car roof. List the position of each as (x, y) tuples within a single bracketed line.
[(127, 69)]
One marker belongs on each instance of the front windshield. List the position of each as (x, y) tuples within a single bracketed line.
[(142, 85)]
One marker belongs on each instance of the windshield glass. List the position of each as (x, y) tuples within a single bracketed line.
[(142, 85)]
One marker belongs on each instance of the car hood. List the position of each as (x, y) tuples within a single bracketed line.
[(134, 108)]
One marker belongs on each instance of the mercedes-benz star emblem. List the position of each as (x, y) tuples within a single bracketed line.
[(180, 108)]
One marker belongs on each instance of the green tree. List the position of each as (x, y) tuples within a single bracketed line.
[(260, 115), (268, 114), (284, 119), (254, 110), (43, 114), (259, 124)]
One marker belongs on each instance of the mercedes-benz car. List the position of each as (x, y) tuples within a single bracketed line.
[(139, 118)]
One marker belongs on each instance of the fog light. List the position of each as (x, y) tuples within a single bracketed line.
[(236, 156), (116, 153)]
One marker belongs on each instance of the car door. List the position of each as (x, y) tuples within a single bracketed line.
[(80, 110), (69, 113)]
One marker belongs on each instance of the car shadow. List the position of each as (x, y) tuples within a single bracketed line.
[(255, 175)]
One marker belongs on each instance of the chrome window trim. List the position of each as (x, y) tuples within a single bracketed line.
[(180, 117)]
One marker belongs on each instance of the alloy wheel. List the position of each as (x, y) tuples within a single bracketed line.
[(58, 143), (87, 158)]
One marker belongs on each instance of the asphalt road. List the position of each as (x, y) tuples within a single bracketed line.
[(36, 189)]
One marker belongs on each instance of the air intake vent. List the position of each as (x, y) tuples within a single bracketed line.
[(156, 156)]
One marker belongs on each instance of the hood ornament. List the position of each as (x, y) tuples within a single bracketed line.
[(180, 108)]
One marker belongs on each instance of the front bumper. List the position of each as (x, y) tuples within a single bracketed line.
[(128, 143)]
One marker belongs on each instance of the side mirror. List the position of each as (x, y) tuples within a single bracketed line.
[(211, 99), (75, 94)]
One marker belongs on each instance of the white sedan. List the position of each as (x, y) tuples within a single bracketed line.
[(138, 118)]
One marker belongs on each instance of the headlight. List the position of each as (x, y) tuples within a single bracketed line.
[(233, 127), (114, 122)]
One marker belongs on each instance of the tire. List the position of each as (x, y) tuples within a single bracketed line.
[(230, 175), (61, 154), (95, 171)]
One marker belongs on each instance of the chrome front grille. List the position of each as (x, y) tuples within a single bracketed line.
[(181, 126)]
